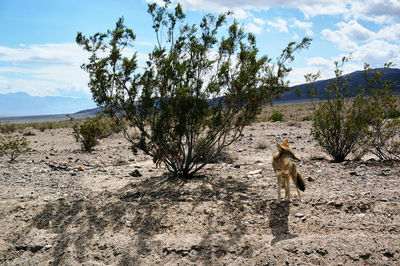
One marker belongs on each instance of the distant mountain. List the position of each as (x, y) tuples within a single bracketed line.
[(20, 103), (355, 79)]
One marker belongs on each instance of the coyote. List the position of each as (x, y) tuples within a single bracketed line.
[(285, 168)]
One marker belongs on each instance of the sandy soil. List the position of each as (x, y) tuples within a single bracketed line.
[(59, 205)]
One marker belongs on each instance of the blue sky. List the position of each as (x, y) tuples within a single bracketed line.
[(38, 54)]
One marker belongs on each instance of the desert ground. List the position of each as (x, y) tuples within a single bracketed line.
[(62, 206)]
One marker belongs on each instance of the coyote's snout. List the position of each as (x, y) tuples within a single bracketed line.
[(285, 169)]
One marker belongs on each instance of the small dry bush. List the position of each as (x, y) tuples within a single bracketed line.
[(276, 116), (89, 131), (8, 127), (13, 146), (261, 144)]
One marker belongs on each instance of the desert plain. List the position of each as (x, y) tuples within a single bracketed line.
[(62, 206)]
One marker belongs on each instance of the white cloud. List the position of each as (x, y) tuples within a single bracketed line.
[(390, 33), (44, 70), (339, 38), (309, 8), (253, 28), (312, 8), (279, 24), (237, 13), (65, 54), (379, 11), (159, 2), (47, 69), (355, 31), (307, 26), (377, 52), (348, 35), (259, 21), (366, 46), (319, 62)]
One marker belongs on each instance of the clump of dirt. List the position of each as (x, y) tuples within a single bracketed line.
[(62, 206)]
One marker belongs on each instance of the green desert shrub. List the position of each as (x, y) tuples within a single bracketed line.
[(343, 125), (383, 132), (13, 146), (89, 131), (393, 113), (276, 116), (197, 92)]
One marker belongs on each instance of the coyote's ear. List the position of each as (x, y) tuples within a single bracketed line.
[(286, 143), (279, 146)]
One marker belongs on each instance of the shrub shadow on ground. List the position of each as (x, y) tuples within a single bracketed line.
[(221, 206), (163, 194)]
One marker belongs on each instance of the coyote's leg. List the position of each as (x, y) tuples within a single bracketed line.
[(287, 188), (279, 187)]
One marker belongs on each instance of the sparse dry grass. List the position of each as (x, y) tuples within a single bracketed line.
[(291, 112)]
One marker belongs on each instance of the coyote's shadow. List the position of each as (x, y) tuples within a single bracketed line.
[(279, 220)]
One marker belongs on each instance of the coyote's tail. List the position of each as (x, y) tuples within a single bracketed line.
[(301, 184)]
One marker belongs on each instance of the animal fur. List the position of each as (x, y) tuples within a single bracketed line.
[(286, 169)]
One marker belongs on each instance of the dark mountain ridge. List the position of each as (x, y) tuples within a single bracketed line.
[(355, 80)]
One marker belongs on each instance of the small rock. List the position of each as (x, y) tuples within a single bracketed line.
[(81, 168), (310, 179), (385, 172), (319, 171), (232, 229), (299, 215), (353, 173), (258, 171), (322, 251), (48, 246), (338, 204), (135, 173), (360, 215)]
